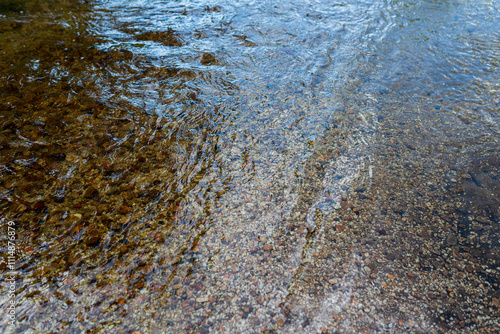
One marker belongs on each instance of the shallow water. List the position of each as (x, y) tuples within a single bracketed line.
[(251, 167)]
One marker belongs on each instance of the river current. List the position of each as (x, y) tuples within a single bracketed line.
[(250, 166)]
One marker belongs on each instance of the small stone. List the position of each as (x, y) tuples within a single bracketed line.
[(390, 256), (19, 207), (484, 239), (482, 220), (381, 231), (207, 59), (123, 210), (123, 249), (340, 228), (212, 299), (73, 258), (398, 209), (57, 156), (159, 237), (92, 240), (389, 276), (268, 248), (469, 268), (167, 38), (202, 299), (33, 177), (345, 205), (39, 206), (140, 284), (260, 299), (451, 239), (91, 192)]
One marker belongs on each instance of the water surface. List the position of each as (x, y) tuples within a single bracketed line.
[(220, 166)]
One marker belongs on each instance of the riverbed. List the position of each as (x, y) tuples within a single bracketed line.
[(250, 166)]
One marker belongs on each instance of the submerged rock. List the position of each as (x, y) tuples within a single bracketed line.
[(167, 38), (91, 192), (208, 59), (39, 206)]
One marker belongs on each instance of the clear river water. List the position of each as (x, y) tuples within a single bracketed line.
[(246, 166)]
